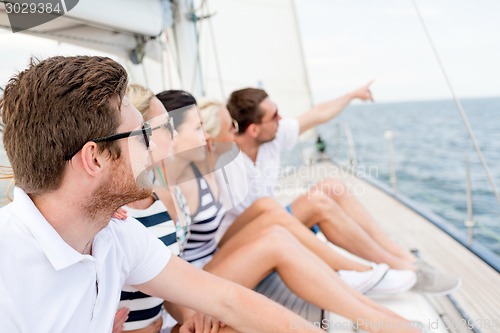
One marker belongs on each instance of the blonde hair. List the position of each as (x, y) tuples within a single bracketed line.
[(209, 111), (140, 97)]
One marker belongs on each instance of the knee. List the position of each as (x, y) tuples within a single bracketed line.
[(319, 201), (276, 244), (277, 237), (323, 206), (265, 204), (334, 187)]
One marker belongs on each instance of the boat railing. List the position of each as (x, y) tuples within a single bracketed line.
[(344, 143), (393, 178), (470, 223), (347, 144)]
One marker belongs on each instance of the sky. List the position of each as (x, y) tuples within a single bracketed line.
[(359, 40), (350, 42)]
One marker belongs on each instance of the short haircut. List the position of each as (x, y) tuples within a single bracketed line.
[(51, 109), (243, 105)]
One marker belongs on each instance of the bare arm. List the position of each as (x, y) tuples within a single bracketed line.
[(327, 110), (238, 307)]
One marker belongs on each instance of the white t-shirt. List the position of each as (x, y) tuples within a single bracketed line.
[(262, 176), (47, 286)]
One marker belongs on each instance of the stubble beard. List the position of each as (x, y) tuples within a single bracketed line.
[(119, 189)]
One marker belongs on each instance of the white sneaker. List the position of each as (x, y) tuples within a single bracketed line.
[(395, 281), (363, 281), (380, 280)]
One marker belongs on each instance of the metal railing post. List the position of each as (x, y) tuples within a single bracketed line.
[(469, 222), (353, 160), (393, 179), (336, 153)]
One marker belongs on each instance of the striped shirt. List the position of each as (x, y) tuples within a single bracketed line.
[(205, 222), (145, 309)]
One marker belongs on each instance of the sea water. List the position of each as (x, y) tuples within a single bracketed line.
[(431, 145)]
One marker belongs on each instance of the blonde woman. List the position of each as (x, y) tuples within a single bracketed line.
[(138, 312)]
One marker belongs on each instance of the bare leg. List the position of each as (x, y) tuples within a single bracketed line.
[(339, 192), (315, 207), (257, 217), (249, 260)]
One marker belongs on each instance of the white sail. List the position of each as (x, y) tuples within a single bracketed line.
[(255, 43)]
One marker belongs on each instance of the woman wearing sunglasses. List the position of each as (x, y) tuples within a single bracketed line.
[(139, 312), (258, 248)]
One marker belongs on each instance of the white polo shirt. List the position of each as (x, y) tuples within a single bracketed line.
[(47, 286), (262, 176)]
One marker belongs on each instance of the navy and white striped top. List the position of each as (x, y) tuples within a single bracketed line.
[(145, 309), (204, 222)]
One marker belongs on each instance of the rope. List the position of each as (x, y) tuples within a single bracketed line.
[(163, 75), (168, 51), (175, 57), (197, 64), (459, 106), (216, 55)]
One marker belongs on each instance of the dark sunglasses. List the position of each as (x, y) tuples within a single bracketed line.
[(275, 118), (145, 131)]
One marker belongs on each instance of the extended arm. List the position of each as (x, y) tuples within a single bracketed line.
[(238, 307), (327, 110)]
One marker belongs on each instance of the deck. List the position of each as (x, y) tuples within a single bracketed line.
[(479, 295)]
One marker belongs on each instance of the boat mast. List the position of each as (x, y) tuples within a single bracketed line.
[(186, 37)]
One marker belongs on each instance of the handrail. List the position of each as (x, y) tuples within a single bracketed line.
[(393, 179), (469, 222), (351, 148), (353, 160)]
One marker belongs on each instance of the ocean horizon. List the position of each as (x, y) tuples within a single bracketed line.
[(431, 145)]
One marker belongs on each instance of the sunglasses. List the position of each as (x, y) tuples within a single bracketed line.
[(275, 118), (146, 132)]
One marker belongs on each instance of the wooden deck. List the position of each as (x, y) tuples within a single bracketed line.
[(479, 294)]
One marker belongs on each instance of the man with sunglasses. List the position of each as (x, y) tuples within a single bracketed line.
[(78, 148), (328, 204)]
